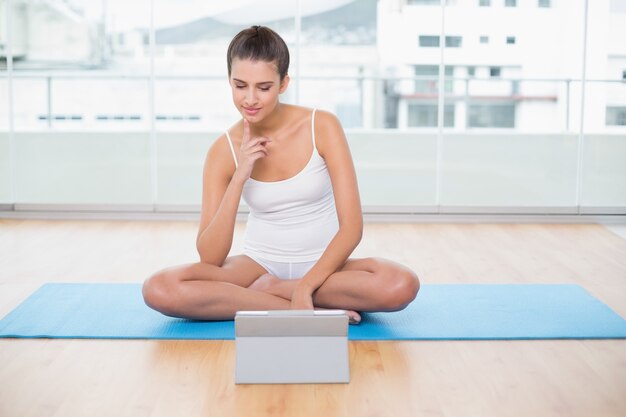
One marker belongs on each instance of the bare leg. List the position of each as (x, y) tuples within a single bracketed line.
[(208, 292), (369, 284), (271, 284)]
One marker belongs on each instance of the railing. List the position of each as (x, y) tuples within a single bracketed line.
[(365, 93), (477, 171)]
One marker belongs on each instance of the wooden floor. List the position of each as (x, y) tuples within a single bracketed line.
[(195, 378)]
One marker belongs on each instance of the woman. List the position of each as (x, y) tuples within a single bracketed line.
[(293, 168)]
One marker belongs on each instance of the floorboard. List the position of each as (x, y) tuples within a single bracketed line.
[(389, 378)]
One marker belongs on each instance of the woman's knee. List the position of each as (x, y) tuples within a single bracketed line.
[(160, 291), (400, 286)]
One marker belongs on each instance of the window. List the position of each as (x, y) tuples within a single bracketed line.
[(484, 3), (510, 40), (429, 2), (624, 75), (544, 3), (428, 75), (484, 39), (427, 82), (424, 2), (429, 41), (495, 71), (510, 3), (615, 116), (425, 115), (349, 114), (492, 115), (453, 41), (471, 71)]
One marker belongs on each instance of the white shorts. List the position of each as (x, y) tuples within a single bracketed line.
[(285, 270)]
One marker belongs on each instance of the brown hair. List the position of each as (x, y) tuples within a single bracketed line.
[(259, 43)]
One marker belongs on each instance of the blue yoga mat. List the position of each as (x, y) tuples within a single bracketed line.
[(440, 312)]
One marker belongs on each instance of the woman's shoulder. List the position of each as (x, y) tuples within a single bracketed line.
[(305, 112), (326, 120), (219, 143), (328, 131), (326, 123), (219, 154)]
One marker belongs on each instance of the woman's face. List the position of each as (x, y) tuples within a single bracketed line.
[(256, 86)]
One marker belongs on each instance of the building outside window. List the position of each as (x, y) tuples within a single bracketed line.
[(423, 2), (428, 74), (454, 41), (491, 115), (91, 70), (615, 116), (432, 41), (427, 41), (425, 115)]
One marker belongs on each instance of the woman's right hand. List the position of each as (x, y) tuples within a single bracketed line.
[(251, 150)]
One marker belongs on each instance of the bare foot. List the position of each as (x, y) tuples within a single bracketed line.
[(271, 284), (353, 317), (265, 283)]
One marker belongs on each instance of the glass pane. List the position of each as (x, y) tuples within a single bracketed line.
[(338, 54), (604, 171), (395, 168), (339, 58), (513, 99), (454, 41), (5, 169), (511, 115), (426, 115), (342, 97), (338, 23), (116, 103), (194, 104), (5, 151), (82, 168), (4, 101), (429, 41), (544, 106), (30, 101), (181, 159), (616, 116), (81, 76), (52, 36), (491, 115), (495, 169), (604, 167), (192, 90)]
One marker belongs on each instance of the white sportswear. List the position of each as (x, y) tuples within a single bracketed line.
[(291, 220)]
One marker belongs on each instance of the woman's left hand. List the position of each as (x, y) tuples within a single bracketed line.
[(302, 298)]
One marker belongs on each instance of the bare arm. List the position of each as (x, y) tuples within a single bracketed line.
[(221, 193), (333, 147)]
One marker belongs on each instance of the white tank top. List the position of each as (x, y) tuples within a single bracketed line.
[(292, 220)]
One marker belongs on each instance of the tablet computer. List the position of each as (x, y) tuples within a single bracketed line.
[(291, 346)]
